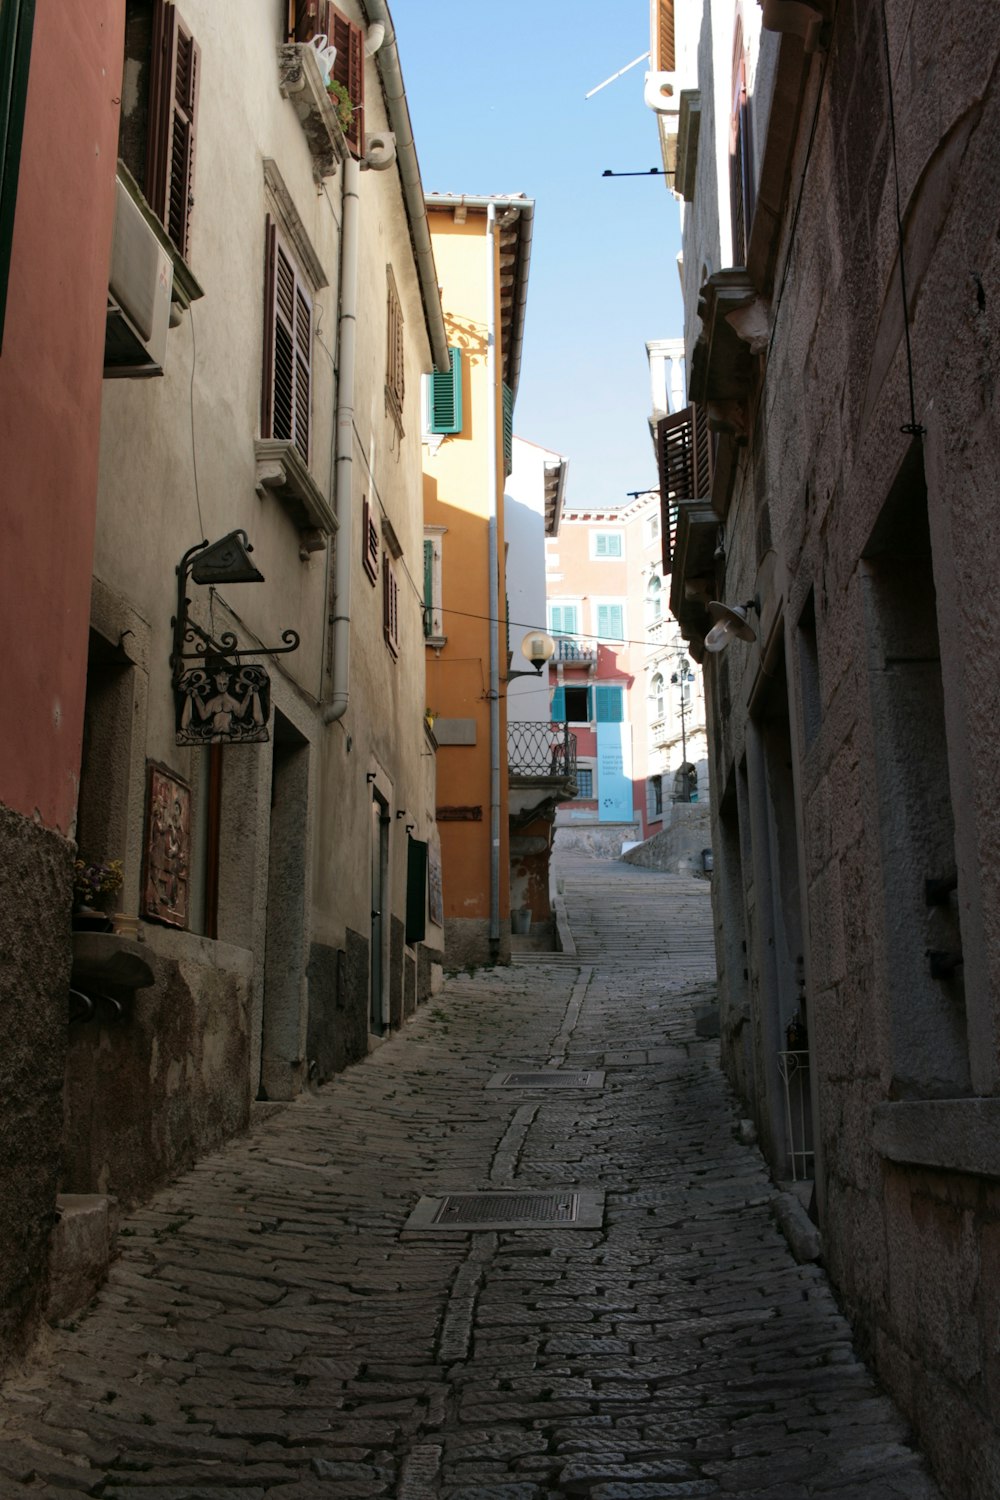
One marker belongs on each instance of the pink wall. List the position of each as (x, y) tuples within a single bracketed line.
[(50, 397)]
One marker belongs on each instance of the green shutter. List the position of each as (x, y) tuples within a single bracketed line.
[(508, 428), (557, 713), (445, 404), (610, 625), (609, 705), (428, 587), (416, 890)]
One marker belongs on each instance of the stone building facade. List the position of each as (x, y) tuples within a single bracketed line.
[(842, 292)]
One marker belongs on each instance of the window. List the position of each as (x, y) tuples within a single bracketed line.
[(159, 112), (369, 542), (444, 399), (16, 20), (606, 544), (611, 622), (585, 782), (610, 704), (684, 457), (653, 529), (656, 702), (395, 381), (433, 613), (654, 797), (309, 18), (654, 599), (563, 619), (285, 409), (741, 189), (571, 705), (508, 429), (390, 606)]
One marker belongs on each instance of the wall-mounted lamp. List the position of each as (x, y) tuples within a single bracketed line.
[(370, 776), (732, 622), (536, 647)]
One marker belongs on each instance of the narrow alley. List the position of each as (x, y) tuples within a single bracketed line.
[(288, 1320)]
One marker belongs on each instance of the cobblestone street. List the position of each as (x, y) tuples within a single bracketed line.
[(273, 1330)]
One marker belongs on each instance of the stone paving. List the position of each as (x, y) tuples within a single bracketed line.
[(273, 1331)]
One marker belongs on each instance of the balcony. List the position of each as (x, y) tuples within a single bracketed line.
[(541, 752), (572, 652)]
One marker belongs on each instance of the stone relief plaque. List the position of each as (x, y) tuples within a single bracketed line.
[(167, 852), (223, 703)]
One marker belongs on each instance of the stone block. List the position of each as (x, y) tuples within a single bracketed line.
[(81, 1249)]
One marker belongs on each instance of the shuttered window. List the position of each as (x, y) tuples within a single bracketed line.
[(563, 619), (606, 544), (390, 606), (285, 411), (609, 703), (508, 429), (663, 55), (445, 398), (309, 18), (173, 107), (395, 381), (369, 542), (684, 459), (741, 184), (610, 622)]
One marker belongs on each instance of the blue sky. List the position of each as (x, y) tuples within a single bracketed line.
[(496, 96)]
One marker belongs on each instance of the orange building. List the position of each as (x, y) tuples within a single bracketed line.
[(482, 248)]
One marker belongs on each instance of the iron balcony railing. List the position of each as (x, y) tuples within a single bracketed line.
[(541, 750)]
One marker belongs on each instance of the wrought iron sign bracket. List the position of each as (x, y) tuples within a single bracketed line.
[(224, 699)]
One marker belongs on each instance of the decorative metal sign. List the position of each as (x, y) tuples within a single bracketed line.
[(167, 852), (224, 700), (223, 703)]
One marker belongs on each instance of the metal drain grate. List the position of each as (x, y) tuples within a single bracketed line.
[(569, 1208), (550, 1079)]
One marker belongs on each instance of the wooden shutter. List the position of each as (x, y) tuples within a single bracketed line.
[(428, 586), (390, 606), (445, 397), (610, 622), (741, 186), (416, 890), (684, 460), (609, 705), (349, 69), (369, 542), (285, 409), (663, 58), (173, 107), (508, 429), (557, 713), (395, 384)]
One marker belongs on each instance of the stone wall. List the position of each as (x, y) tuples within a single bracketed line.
[(678, 849), (35, 897)]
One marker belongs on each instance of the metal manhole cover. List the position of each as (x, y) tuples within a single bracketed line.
[(569, 1208), (549, 1079)]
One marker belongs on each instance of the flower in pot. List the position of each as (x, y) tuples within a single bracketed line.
[(92, 885), (342, 103)]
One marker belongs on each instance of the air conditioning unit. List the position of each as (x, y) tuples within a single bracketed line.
[(139, 289)]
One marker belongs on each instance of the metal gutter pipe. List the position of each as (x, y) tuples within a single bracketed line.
[(387, 62), (494, 566), (347, 330)]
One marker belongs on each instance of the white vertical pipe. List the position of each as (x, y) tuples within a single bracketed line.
[(494, 566), (343, 480)]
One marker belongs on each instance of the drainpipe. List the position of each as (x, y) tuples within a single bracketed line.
[(343, 477), (494, 593)]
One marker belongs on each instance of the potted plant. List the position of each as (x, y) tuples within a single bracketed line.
[(92, 885), (343, 104)]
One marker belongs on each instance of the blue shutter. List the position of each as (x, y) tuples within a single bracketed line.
[(445, 399), (609, 705), (557, 713)]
